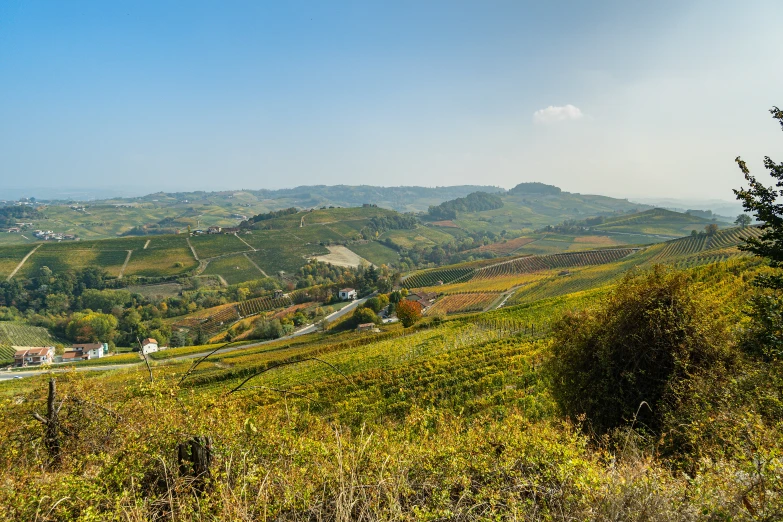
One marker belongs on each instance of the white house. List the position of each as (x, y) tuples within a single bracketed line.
[(33, 356), (347, 294), (149, 345), (89, 350)]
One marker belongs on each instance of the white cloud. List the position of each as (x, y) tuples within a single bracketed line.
[(554, 114)]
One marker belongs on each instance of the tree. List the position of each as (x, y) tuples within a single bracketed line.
[(711, 229), (408, 312), (763, 203), (363, 316), (92, 327), (743, 220), (764, 335), (642, 344)]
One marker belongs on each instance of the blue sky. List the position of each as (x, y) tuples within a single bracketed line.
[(616, 98)]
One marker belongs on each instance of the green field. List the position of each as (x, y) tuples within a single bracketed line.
[(20, 334), (234, 269), (376, 253), (161, 262), (212, 245), (10, 256)]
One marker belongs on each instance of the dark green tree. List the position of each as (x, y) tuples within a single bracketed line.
[(743, 220), (763, 202)]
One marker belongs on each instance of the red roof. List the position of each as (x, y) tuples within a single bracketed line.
[(86, 346), (148, 340), (41, 351)]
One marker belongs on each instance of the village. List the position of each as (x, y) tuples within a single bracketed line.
[(26, 356)]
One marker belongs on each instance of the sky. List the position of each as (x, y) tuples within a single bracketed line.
[(627, 99)]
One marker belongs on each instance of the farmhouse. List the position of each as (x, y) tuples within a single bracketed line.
[(149, 345), (87, 351), (33, 356), (279, 294), (214, 230), (347, 294), (425, 299), (14, 230), (230, 230)]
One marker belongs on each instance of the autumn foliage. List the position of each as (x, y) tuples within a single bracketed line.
[(408, 312)]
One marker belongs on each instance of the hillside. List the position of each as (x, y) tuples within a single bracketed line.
[(528, 207), (21, 334), (168, 212), (655, 222), (266, 248), (432, 419)]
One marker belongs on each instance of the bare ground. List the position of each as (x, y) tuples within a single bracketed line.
[(341, 256)]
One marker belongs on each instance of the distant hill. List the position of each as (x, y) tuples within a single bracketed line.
[(531, 206), (655, 221)]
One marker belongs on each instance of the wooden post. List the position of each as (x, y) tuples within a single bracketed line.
[(194, 458), (52, 429)]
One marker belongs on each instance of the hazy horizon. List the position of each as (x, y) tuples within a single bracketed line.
[(628, 101)]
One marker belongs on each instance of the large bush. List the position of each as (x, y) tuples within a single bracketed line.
[(650, 335)]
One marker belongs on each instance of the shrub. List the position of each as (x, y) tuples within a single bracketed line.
[(364, 315), (764, 336), (652, 333), (408, 312)]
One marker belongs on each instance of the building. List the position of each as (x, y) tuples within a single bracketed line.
[(149, 345), (425, 299), (214, 230), (33, 356), (86, 351), (230, 230), (367, 327), (279, 294), (347, 294)]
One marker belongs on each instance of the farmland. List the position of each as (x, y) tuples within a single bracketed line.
[(405, 400), (376, 253), (461, 303), (234, 269), (214, 245), (21, 334), (10, 256)]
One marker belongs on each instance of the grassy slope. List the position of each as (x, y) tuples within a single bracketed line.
[(453, 419)]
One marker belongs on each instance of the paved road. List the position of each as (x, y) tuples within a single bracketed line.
[(4, 376), (7, 376)]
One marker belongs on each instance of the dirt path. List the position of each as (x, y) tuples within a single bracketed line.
[(341, 256), (255, 265), (22, 262), (301, 222), (146, 244), (125, 264), (245, 242), (195, 255)]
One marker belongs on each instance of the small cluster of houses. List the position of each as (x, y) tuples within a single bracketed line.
[(425, 299), (217, 230), (38, 355), (48, 235)]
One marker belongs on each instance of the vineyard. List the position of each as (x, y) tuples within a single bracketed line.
[(495, 284), (225, 315), (431, 277), (455, 404), (18, 334), (461, 303), (262, 304)]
